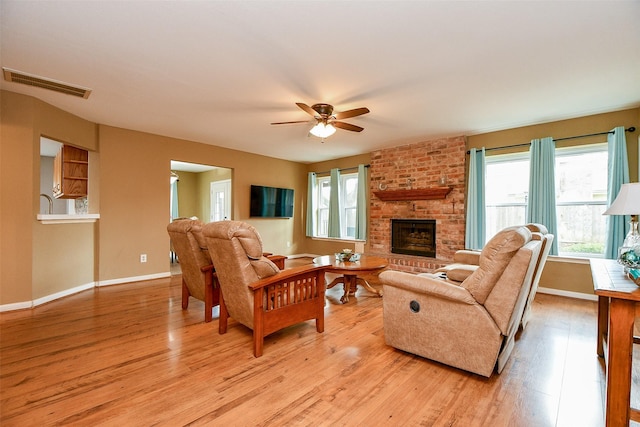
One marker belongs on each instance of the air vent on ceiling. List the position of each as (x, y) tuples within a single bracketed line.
[(45, 83)]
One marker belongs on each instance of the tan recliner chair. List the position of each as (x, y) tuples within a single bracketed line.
[(466, 261), (538, 231), (198, 275), (470, 325), (255, 292)]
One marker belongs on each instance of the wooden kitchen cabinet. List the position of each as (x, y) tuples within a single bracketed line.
[(70, 173)]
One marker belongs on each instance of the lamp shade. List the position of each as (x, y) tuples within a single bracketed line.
[(627, 202)]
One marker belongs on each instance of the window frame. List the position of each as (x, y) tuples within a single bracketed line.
[(320, 225), (559, 153)]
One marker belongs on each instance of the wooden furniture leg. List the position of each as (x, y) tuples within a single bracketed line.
[(351, 282), (224, 316), (603, 323), (620, 348), (350, 287), (258, 322), (211, 293), (185, 295), (335, 282), (367, 286)]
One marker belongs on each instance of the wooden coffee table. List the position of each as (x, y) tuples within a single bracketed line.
[(350, 271)]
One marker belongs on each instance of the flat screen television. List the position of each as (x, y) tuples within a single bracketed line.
[(271, 202)]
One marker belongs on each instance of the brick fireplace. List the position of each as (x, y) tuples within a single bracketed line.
[(425, 165), (413, 237)]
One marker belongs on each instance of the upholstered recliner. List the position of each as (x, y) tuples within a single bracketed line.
[(466, 262), (198, 275), (541, 232), (470, 325), (255, 292)]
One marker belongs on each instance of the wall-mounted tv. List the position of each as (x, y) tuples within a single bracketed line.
[(271, 202)]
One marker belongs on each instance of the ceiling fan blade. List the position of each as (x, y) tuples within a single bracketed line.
[(347, 126), (307, 109), (287, 123), (351, 113)]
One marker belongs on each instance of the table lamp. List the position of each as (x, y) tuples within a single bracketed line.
[(628, 203)]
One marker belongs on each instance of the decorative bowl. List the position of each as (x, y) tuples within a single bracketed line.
[(347, 256), (630, 258)]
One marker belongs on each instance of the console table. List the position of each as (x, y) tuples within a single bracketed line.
[(617, 297)]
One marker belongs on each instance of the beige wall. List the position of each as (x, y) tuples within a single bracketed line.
[(32, 254), (188, 195), (63, 258), (128, 186), (134, 197), (567, 275), (17, 116)]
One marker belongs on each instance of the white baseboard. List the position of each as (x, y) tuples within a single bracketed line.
[(57, 295), (67, 292), (61, 294), (133, 279), (46, 299), (16, 306), (568, 294)]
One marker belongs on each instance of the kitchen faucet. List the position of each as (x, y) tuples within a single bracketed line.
[(50, 202)]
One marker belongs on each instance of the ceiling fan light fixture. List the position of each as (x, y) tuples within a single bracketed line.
[(323, 130)]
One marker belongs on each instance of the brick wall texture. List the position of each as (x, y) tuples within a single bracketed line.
[(420, 165)]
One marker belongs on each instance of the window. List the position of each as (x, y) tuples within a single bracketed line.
[(348, 195), (507, 188), (581, 196)]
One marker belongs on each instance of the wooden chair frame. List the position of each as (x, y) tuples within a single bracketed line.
[(289, 297)]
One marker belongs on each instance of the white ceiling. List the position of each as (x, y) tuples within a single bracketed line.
[(219, 72), (190, 167)]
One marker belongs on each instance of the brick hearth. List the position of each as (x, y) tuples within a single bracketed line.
[(424, 163)]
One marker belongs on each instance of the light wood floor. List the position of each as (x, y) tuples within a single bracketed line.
[(128, 355)]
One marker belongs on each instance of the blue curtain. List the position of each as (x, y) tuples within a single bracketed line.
[(475, 228), (618, 174), (174, 200), (361, 204), (542, 188), (311, 208), (334, 204)]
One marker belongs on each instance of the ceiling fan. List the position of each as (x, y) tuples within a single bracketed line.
[(327, 120)]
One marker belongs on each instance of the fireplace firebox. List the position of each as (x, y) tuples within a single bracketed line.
[(413, 237)]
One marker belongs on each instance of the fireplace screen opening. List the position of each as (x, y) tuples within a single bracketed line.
[(413, 237)]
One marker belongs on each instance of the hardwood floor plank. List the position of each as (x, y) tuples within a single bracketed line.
[(129, 355)]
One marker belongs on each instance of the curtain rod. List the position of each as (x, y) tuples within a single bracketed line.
[(630, 129), (341, 170)]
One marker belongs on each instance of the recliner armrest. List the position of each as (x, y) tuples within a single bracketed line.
[(278, 260), (465, 262), (458, 272), (467, 256), (288, 274), (426, 285)]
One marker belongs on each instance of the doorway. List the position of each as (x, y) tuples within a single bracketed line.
[(201, 191), (220, 200), (193, 183)]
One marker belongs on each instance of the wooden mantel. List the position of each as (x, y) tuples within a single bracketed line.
[(432, 193)]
